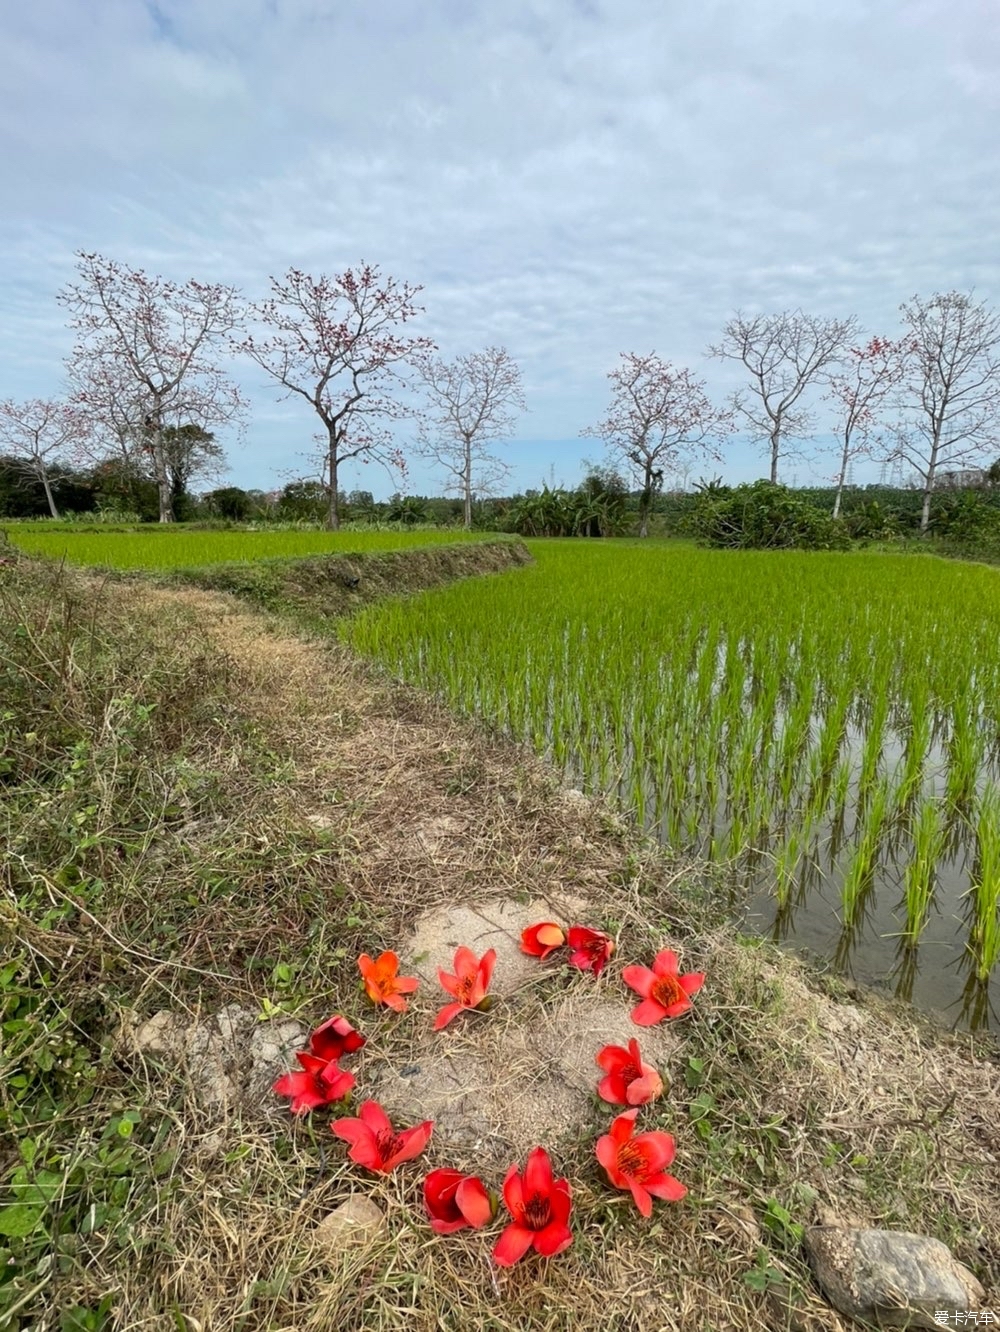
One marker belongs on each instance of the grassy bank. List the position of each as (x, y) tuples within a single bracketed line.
[(201, 809)]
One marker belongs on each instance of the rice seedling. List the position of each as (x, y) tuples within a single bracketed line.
[(738, 700), (172, 547)]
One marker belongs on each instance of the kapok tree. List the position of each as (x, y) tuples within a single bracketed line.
[(148, 355), (659, 416), (336, 342), (858, 393), (38, 433), (784, 354), (950, 388), (472, 401)]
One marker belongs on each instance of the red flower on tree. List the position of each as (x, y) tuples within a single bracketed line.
[(592, 949), (454, 1201), (665, 993), (335, 1038), (320, 1082), (383, 983), (540, 1208), (637, 1162), (629, 1081), (542, 939), (375, 1144), (468, 985)]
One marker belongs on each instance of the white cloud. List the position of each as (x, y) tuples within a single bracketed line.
[(572, 178)]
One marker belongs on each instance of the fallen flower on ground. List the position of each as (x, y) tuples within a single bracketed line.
[(592, 949), (455, 1201), (320, 1082), (665, 993), (375, 1144), (468, 985), (383, 983), (637, 1161), (629, 1081), (540, 1208), (542, 939), (335, 1038)]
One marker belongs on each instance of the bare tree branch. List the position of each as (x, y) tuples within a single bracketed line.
[(334, 342), (149, 345), (659, 416), (784, 354), (950, 391), (472, 401), (38, 433)]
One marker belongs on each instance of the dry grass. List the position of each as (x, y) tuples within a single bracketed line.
[(338, 812)]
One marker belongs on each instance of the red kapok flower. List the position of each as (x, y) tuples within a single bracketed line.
[(375, 1144), (454, 1201), (629, 1081), (540, 1207), (469, 983), (542, 939), (592, 949), (320, 1082), (383, 983), (637, 1163), (665, 994), (335, 1038)]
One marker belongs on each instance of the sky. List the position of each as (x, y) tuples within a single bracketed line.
[(570, 179)]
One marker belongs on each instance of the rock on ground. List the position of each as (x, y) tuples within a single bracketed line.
[(889, 1277), (356, 1221)]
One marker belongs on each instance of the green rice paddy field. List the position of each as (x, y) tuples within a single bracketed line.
[(826, 725), (169, 547), (829, 724)]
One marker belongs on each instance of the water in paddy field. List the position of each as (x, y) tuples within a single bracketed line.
[(796, 898)]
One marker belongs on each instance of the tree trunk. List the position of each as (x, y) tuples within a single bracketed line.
[(925, 508), (333, 505), (467, 487), (48, 493), (646, 500), (163, 487), (929, 478), (775, 453)]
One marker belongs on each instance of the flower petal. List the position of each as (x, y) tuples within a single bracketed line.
[(612, 1090), (550, 934), (561, 1201), (486, 964), (395, 1001), (473, 1201), (640, 979), (658, 1149), (692, 982), (665, 963), (405, 984), (450, 984), (448, 1227), (606, 1152), (465, 962), (667, 1187), (553, 1239), (538, 1173), (642, 1090), (411, 1142), (374, 1116), (681, 1007), (513, 1193), (512, 1245), (648, 1013), (612, 1058), (366, 966), (445, 1016), (641, 1196)]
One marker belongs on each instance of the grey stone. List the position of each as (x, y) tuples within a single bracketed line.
[(889, 1277), (356, 1221)]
